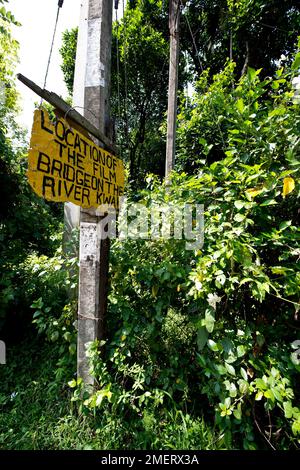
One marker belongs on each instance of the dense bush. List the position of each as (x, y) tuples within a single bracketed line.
[(202, 347), (212, 331), (28, 224)]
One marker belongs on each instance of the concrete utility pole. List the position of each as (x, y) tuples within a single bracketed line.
[(174, 21), (96, 29)]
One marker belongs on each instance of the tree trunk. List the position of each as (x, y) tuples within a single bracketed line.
[(246, 63)]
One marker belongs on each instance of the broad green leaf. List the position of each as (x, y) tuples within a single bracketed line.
[(296, 63), (227, 402), (238, 412), (232, 390), (251, 74), (285, 225), (227, 345), (274, 372), (243, 386), (244, 374), (279, 269), (239, 217), (37, 314), (72, 383), (209, 321), (269, 202), (54, 337), (220, 369), (277, 394), (240, 105), (239, 204), (241, 350), (201, 360), (231, 358), (296, 427), (230, 368), (212, 345), (67, 336), (202, 336), (270, 395), (261, 385), (288, 409), (245, 280)]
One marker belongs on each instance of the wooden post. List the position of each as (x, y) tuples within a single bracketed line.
[(94, 252), (174, 21)]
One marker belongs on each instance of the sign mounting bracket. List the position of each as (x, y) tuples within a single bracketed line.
[(66, 109)]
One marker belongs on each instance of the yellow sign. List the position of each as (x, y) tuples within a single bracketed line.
[(64, 165)]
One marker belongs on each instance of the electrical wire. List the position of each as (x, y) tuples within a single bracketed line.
[(193, 39), (202, 69), (125, 69), (118, 60), (274, 27), (60, 4)]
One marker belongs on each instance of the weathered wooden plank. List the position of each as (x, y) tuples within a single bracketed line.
[(67, 111)]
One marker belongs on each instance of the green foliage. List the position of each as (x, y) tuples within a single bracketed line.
[(216, 323), (244, 120), (35, 412), (139, 84), (27, 223), (35, 403), (8, 61), (6, 19), (138, 94), (201, 350), (68, 54), (260, 33), (135, 419), (54, 311)]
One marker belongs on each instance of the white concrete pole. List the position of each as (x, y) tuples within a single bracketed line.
[(94, 252), (174, 21)]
